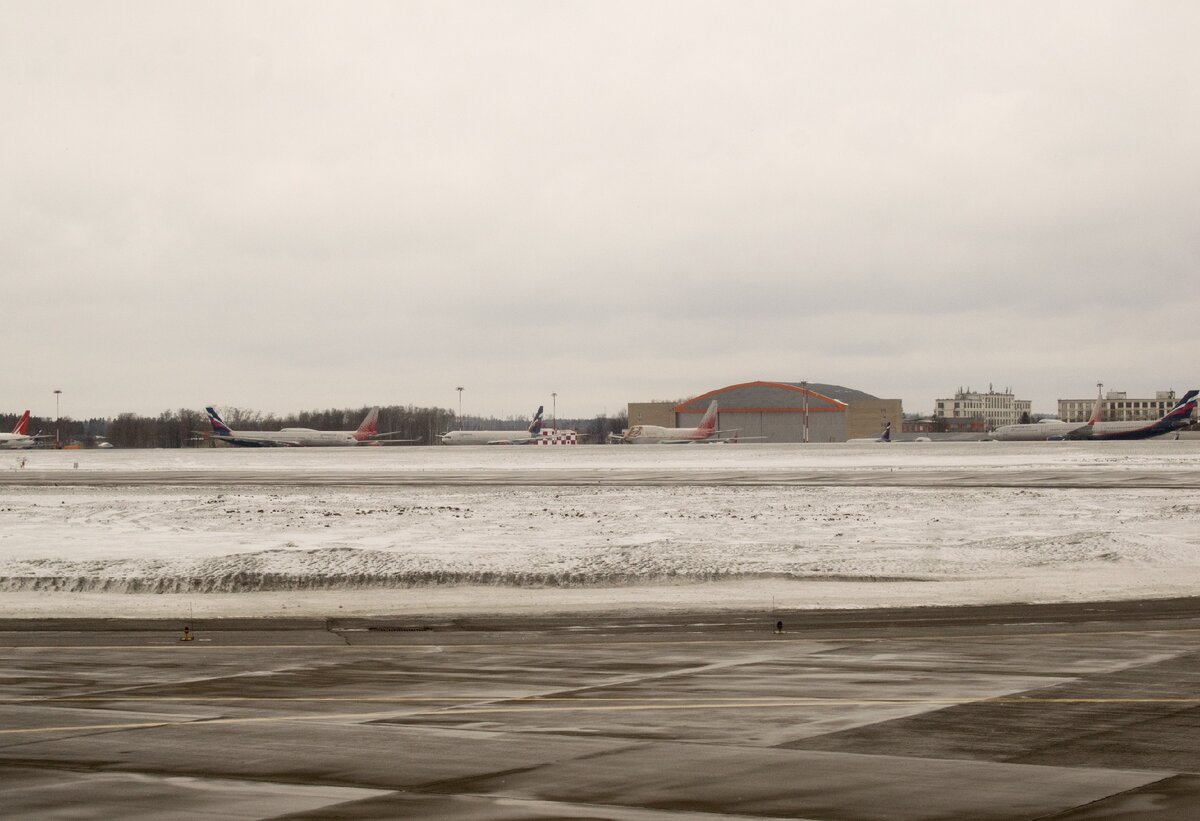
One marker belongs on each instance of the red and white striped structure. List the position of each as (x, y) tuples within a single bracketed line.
[(550, 436)]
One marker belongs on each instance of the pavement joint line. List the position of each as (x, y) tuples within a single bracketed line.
[(794, 638), (382, 716), (200, 700), (199, 722), (440, 716)]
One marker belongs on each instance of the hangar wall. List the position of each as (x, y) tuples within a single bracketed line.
[(866, 417), (652, 413), (776, 426), (776, 411)]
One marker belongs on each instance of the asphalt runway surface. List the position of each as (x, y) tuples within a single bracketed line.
[(1065, 712)]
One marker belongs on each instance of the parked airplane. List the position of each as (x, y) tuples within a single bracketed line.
[(706, 432), (19, 438), (366, 434), (529, 436), (1179, 416)]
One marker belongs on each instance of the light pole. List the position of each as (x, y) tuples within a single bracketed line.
[(804, 385), (554, 410), (57, 441), (460, 389)]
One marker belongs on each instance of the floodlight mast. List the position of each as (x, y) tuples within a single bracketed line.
[(804, 385), (57, 437)]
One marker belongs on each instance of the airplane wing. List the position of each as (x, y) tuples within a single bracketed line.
[(1081, 432), (735, 437), (253, 443), (381, 438), (262, 443), (716, 440)]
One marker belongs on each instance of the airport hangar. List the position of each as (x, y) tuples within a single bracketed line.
[(776, 411)]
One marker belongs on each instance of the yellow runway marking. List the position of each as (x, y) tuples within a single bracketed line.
[(453, 712)]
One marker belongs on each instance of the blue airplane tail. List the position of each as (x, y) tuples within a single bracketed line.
[(218, 425), (535, 427), (1182, 410), (1187, 399)]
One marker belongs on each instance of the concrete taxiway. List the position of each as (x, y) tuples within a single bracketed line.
[(1050, 712)]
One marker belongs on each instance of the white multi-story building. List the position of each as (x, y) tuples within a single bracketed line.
[(1117, 407), (994, 408)]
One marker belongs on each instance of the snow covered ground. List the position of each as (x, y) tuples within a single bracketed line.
[(220, 547), (1000, 456)]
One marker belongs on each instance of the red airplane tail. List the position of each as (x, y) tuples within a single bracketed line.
[(369, 426), (708, 424), (22, 428)]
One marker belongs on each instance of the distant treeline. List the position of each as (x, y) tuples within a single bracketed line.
[(183, 428), (84, 431)]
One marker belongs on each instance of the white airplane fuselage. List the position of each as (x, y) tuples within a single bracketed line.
[(487, 437), (291, 437), (1043, 431), (1053, 429), (366, 434), (498, 437), (16, 441), (657, 435), (1093, 430)]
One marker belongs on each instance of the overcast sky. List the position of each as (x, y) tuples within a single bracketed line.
[(288, 206)]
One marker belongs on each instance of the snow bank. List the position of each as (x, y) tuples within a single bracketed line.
[(485, 548)]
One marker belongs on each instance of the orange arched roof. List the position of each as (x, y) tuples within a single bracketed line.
[(787, 386)]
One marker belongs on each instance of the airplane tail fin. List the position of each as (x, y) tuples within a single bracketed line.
[(886, 436), (535, 427), (369, 426), (22, 427), (1184, 406), (708, 423), (1097, 411), (1190, 396), (218, 425)]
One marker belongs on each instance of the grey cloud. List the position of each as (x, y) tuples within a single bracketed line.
[(389, 200)]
